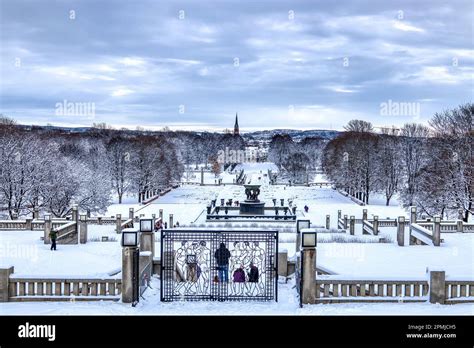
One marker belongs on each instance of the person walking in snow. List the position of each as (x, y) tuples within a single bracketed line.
[(53, 235)]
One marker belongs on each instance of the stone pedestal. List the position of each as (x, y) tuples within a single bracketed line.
[(47, 231), (283, 263), (83, 232), (437, 287), (118, 223), (4, 283), (401, 231), (147, 242), (127, 274)]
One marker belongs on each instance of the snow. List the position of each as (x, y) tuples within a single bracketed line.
[(287, 305), (362, 260)]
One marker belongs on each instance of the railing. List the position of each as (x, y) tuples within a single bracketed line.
[(29, 225), (370, 290), (368, 227), (66, 230), (459, 291), (101, 220), (421, 233), (63, 288), (127, 224), (448, 227)]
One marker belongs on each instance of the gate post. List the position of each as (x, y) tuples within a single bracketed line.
[(412, 221), (161, 214), (352, 225), (328, 222), (131, 213), (47, 229), (345, 222), (83, 229), (376, 225), (309, 288), (147, 242), (171, 220), (401, 231), (128, 268), (118, 223), (437, 231), (459, 222), (75, 213)]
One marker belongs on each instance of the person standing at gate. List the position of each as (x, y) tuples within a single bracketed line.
[(53, 235), (222, 256)]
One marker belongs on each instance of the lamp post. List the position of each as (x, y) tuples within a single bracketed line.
[(147, 235)]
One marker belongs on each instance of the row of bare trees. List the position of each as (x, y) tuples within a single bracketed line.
[(51, 170), (430, 166)]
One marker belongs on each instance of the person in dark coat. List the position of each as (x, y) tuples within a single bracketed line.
[(53, 235), (222, 256), (253, 274)]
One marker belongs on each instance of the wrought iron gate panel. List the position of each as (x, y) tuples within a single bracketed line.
[(189, 270)]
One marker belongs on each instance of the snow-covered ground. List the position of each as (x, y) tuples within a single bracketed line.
[(27, 253)]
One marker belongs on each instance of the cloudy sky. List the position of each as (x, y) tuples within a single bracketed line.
[(194, 64)]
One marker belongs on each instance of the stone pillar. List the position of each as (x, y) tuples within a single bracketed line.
[(118, 223), (36, 214), (328, 222), (401, 231), (309, 275), (283, 263), (459, 227), (171, 221), (127, 274), (437, 231), (352, 225), (412, 215), (339, 214), (47, 230), (147, 242), (364, 214), (5, 283), (345, 222), (437, 287), (75, 213), (298, 240), (83, 229), (202, 176), (131, 213), (376, 225), (29, 225), (161, 214)]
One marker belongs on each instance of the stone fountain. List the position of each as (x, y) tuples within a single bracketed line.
[(252, 205)]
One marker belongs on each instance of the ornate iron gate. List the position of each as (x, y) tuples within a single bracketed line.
[(193, 268)]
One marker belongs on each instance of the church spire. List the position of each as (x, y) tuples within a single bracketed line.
[(236, 125)]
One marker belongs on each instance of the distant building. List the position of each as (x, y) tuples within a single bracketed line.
[(236, 125)]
